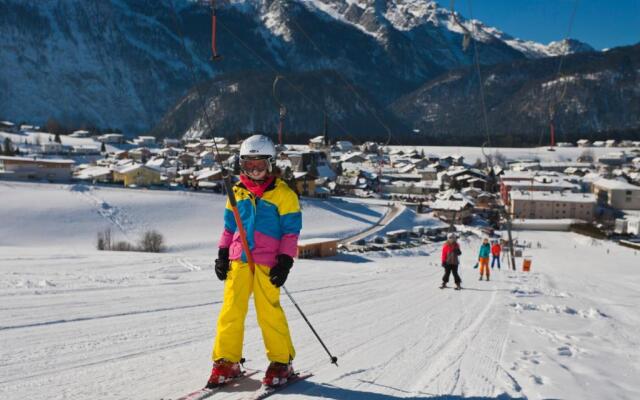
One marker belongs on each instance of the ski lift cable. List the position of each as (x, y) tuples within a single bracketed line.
[(194, 79), (480, 82), (282, 108), (468, 38), (346, 82), (553, 104), (284, 78)]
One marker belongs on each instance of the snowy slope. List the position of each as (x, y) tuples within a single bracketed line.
[(78, 324), (72, 215)]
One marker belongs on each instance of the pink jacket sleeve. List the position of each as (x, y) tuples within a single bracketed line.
[(225, 239)]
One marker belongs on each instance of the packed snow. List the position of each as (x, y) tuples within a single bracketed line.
[(77, 323)]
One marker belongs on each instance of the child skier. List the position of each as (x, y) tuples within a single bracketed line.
[(450, 261), (495, 253), (271, 217), (483, 258)]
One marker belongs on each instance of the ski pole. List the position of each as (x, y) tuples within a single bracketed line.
[(334, 359)]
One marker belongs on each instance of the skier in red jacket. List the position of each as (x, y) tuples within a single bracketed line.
[(495, 253), (450, 261)]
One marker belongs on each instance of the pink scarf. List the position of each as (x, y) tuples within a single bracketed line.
[(255, 187)]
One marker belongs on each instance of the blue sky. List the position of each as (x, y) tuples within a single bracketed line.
[(601, 23)]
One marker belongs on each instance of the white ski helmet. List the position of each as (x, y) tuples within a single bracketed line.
[(258, 146)]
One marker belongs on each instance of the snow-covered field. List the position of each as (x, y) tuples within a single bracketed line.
[(76, 323)]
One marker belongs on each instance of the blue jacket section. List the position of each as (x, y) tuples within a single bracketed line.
[(485, 250), (272, 223)]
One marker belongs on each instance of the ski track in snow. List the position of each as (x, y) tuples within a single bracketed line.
[(116, 216)]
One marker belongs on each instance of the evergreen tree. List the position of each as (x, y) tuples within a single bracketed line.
[(57, 139), (103, 148), (313, 168), (8, 147)]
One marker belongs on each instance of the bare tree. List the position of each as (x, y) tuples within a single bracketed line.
[(104, 240), (152, 241)]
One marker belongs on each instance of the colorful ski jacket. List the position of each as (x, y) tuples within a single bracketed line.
[(485, 250), (496, 249), (272, 223), (450, 253)]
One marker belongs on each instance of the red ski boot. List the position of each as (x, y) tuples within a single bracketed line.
[(277, 374), (223, 371)]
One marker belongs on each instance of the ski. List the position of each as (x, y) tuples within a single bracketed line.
[(266, 391), (206, 393)]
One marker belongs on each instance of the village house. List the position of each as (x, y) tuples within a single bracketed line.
[(428, 173), (138, 175), (584, 143), (187, 160), (24, 168), (305, 183), (80, 134), (343, 145), (318, 143), (8, 126), (85, 150), (617, 194), (94, 174), (457, 211), (216, 144), (355, 157), (145, 141), (614, 159), (317, 248), (535, 181), (111, 138), (194, 148), (552, 205), (206, 159), (169, 152), (370, 147), (53, 148), (159, 163), (209, 178), (140, 154), (169, 142)]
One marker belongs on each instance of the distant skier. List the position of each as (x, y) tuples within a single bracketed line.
[(496, 249), (451, 260), (483, 258), (272, 220)]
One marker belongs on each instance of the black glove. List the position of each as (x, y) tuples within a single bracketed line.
[(222, 263), (444, 265), (280, 271)]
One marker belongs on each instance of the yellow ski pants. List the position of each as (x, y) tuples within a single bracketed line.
[(238, 286)]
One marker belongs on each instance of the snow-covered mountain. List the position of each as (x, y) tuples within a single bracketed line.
[(227, 97), (597, 94), (120, 63)]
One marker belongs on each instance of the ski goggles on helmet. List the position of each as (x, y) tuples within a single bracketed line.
[(260, 164)]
